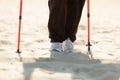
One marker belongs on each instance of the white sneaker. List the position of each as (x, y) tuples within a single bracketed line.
[(68, 45), (56, 47)]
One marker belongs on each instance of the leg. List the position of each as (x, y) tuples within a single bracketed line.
[(73, 17), (57, 19)]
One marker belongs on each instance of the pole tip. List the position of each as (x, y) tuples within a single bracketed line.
[(18, 51)]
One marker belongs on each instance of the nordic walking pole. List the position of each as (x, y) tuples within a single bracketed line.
[(88, 24), (19, 27)]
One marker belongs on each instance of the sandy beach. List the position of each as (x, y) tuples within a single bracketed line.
[(36, 62)]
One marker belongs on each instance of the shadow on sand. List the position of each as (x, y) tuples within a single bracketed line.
[(78, 64)]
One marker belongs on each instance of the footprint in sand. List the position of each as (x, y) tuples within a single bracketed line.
[(4, 42)]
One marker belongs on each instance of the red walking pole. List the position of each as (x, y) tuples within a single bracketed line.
[(19, 27), (88, 15)]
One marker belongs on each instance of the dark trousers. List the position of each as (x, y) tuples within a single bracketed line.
[(64, 18)]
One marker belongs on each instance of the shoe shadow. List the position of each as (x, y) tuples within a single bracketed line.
[(76, 57)]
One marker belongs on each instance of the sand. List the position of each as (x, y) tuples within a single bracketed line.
[(36, 62)]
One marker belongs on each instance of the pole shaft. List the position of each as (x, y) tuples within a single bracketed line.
[(19, 26), (88, 11)]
